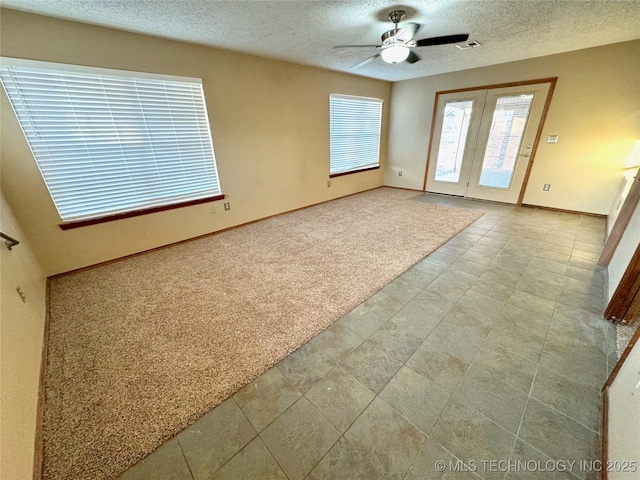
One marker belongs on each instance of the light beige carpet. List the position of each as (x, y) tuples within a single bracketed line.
[(142, 347), (623, 336)]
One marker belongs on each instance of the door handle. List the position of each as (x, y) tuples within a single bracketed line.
[(525, 154)]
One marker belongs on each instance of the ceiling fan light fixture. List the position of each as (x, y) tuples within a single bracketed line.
[(395, 53)]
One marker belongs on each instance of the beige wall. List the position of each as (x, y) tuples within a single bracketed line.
[(21, 331), (270, 127), (594, 111)]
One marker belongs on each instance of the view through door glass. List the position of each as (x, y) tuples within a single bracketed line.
[(505, 138), (453, 138)]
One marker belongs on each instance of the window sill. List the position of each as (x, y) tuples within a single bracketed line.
[(341, 174), (137, 213)]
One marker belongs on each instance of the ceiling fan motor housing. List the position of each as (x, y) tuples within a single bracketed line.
[(397, 16)]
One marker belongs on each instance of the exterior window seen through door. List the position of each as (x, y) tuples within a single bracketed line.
[(453, 138), (503, 146)]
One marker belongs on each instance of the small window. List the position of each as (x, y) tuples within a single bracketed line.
[(354, 133), (109, 142)]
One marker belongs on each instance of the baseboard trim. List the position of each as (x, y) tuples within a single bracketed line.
[(405, 188), (483, 200), (38, 448), (562, 210), (179, 242)]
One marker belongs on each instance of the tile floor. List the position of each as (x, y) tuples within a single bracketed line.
[(491, 348)]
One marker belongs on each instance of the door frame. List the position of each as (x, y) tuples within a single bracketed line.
[(552, 85), (625, 302)]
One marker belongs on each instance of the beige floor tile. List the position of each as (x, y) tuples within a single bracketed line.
[(386, 439), (493, 398), (434, 463), (304, 367), (337, 341), (362, 321), (455, 340), (471, 436), (299, 438), (512, 369), (556, 435), (340, 398), (165, 463), (577, 401), (477, 323), (436, 365), (526, 453), (371, 366), (252, 462), (417, 399), (264, 399), (215, 438), (344, 461)]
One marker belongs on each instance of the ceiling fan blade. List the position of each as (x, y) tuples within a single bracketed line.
[(364, 62), (427, 42), (413, 57), (408, 31), (357, 46)]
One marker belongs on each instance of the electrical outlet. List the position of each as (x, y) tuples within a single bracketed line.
[(400, 173), (212, 209), (227, 206), (328, 183), (546, 187)]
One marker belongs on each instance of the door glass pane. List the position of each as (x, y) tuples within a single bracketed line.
[(503, 146), (455, 126)]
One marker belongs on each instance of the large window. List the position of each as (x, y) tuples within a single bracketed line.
[(354, 133), (110, 142)]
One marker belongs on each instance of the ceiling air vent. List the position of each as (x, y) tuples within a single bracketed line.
[(468, 45)]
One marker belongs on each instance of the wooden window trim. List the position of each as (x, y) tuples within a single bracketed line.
[(342, 174), (137, 213)]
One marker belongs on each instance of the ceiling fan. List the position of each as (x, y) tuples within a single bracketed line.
[(398, 42)]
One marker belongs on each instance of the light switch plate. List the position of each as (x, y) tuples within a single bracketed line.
[(552, 139)]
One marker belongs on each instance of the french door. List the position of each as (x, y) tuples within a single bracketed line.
[(482, 141)]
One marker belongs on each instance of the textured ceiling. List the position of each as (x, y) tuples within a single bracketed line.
[(306, 31)]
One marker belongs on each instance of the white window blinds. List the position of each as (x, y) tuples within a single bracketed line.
[(354, 132), (109, 142)]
